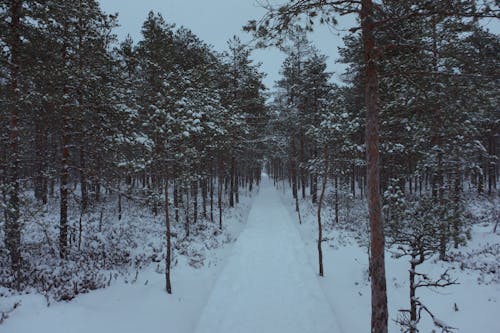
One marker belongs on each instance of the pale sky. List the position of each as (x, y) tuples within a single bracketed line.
[(215, 22)]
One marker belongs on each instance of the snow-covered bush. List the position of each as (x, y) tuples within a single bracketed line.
[(105, 249)]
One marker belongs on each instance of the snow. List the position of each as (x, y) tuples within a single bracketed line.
[(267, 281), (347, 286), (140, 306), (267, 284), (126, 308)]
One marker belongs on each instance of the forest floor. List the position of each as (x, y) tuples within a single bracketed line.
[(267, 281), (472, 305)]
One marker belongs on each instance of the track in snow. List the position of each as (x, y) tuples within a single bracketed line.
[(267, 284)]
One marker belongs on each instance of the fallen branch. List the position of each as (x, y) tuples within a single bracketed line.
[(4, 315)]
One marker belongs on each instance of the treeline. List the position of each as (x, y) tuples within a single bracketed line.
[(165, 122), (431, 83), (438, 123)]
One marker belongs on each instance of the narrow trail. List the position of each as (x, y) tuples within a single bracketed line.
[(267, 284)]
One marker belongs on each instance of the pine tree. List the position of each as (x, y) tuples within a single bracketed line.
[(11, 170)]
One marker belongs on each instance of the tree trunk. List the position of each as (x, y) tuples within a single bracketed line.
[(293, 169), (492, 183), (204, 190), (443, 237), (212, 198), (119, 201), (64, 173), (231, 186), (301, 167), (353, 181), (40, 180), (168, 258), (314, 184), (236, 186), (176, 195), (219, 199), (413, 300), (12, 226), (186, 213), (336, 198), (379, 314), (456, 203), (320, 204), (83, 180), (195, 201), (63, 221), (295, 186)]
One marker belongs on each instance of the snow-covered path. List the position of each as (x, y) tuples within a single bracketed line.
[(268, 284)]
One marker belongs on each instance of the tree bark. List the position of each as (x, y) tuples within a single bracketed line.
[(336, 198), (231, 186), (320, 204), (379, 314), (176, 194), (353, 181), (492, 163), (83, 179), (204, 191), (187, 226), (168, 258), (314, 185), (63, 220), (195, 201), (301, 167), (212, 176), (64, 173), (40, 180), (236, 185), (13, 228), (219, 194), (413, 301)]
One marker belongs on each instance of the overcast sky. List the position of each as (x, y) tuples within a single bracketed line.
[(215, 22)]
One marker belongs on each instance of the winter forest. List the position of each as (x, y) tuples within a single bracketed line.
[(160, 185)]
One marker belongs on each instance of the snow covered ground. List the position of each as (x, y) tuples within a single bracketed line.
[(267, 284), (472, 306), (142, 306), (129, 308), (267, 281), (131, 304)]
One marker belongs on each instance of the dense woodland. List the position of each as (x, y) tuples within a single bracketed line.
[(170, 125), (437, 108), (89, 121)]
